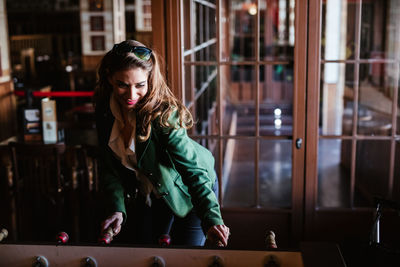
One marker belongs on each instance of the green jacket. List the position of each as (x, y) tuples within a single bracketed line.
[(181, 170)]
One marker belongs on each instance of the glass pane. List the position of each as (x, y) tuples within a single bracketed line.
[(338, 29), (275, 166), (375, 99), (238, 173), (203, 99), (189, 80), (380, 29), (398, 115), (396, 180), (334, 164), (239, 94), (372, 171), (276, 97), (276, 29), (211, 53), (242, 30), (199, 27), (337, 99)]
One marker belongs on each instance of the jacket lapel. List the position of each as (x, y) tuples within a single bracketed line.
[(141, 149)]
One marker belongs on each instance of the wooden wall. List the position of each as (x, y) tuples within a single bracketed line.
[(8, 118), (91, 63)]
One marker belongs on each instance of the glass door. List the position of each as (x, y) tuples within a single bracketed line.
[(353, 117), (243, 65)]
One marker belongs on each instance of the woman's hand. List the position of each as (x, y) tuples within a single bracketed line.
[(114, 221), (219, 235)]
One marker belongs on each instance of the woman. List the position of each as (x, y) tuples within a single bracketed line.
[(147, 157)]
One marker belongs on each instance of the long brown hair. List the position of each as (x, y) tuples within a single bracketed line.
[(159, 100)]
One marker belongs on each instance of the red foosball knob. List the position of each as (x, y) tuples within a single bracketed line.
[(107, 236), (164, 240), (62, 237)]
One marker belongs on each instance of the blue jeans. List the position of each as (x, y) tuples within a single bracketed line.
[(146, 224)]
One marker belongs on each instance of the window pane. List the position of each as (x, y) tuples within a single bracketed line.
[(396, 180), (201, 97), (337, 99), (276, 29), (380, 29), (189, 80), (375, 99), (239, 96), (211, 52), (238, 173), (189, 20), (334, 164), (204, 24), (372, 171), (275, 166), (398, 118), (338, 29), (276, 97), (242, 29), (199, 28), (396, 79)]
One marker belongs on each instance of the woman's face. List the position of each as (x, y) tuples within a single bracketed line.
[(129, 86)]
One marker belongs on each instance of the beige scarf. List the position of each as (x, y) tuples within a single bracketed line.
[(127, 155)]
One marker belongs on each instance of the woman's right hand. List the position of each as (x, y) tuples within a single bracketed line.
[(114, 221)]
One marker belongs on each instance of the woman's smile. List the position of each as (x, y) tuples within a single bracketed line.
[(131, 102)]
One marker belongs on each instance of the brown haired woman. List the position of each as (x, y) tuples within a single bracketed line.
[(147, 156)]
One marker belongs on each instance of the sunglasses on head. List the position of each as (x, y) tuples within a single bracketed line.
[(140, 52)]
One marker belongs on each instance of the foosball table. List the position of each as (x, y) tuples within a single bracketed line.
[(309, 255), (62, 254)]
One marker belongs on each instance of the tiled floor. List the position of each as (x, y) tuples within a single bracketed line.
[(275, 175)]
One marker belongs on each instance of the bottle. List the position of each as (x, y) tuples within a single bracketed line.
[(49, 121), (31, 119)]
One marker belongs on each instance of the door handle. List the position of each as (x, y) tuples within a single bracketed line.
[(299, 142)]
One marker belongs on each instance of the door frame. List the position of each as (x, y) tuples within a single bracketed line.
[(312, 109), (167, 20)]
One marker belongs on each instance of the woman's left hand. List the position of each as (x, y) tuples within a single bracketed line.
[(218, 234)]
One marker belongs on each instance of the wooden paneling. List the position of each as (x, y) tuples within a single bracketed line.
[(91, 63), (8, 118), (44, 44), (145, 38)]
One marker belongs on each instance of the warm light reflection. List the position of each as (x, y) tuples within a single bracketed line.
[(252, 9)]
